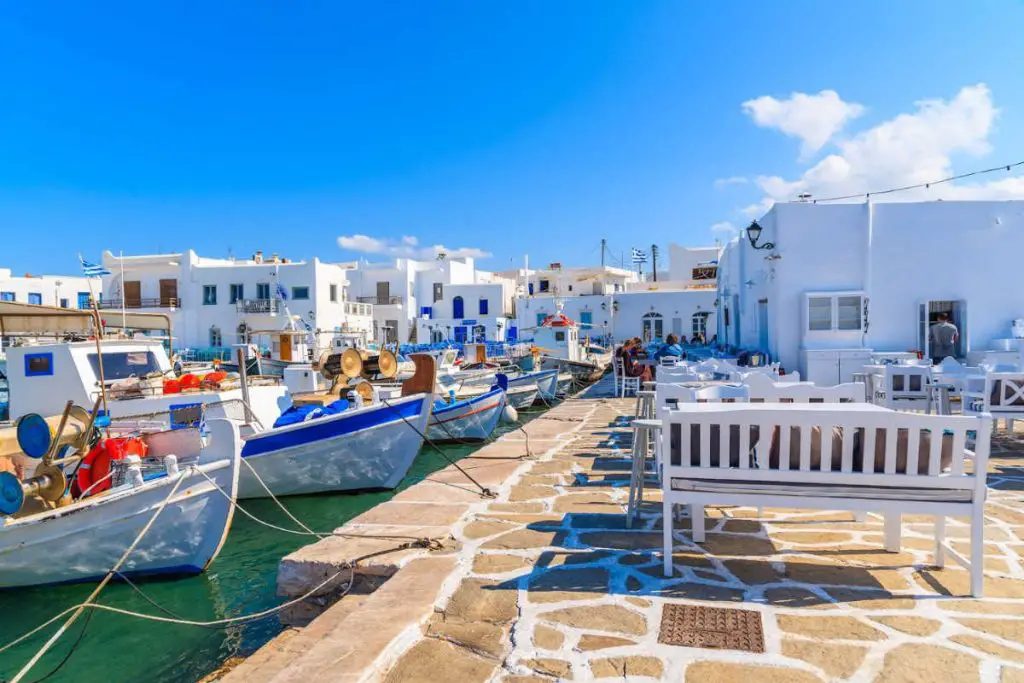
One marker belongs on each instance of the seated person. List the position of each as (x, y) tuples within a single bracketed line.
[(671, 347), (629, 365)]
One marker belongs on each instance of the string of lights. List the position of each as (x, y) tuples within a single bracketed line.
[(868, 195)]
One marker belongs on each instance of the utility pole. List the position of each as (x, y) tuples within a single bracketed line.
[(654, 261), (604, 242)]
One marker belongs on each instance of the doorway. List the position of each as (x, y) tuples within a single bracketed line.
[(653, 327), (168, 293), (928, 315), (383, 293), (762, 326)]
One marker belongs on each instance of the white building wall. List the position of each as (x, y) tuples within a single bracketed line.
[(898, 254), (52, 289), (682, 260)]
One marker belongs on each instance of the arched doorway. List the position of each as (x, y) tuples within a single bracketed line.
[(653, 327), (458, 308), (216, 340)]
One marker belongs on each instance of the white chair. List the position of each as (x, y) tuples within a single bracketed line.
[(1000, 394), (668, 361), (904, 387), (622, 382), (677, 374)]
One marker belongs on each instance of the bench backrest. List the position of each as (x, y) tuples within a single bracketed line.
[(1003, 393), (765, 390), (825, 444), (908, 382)]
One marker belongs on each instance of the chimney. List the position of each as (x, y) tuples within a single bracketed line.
[(258, 257), (274, 258)]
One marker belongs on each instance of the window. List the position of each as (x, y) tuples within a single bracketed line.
[(262, 290), (438, 291), (209, 295), (35, 298), (458, 309), (238, 293), (560, 336), (544, 285), (300, 292), (64, 303), (125, 364), (243, 334), (835, 312), (334, 293), (652, 326), (8, 296), (483, 306), (38, 364), (216, 339), (570, 288)]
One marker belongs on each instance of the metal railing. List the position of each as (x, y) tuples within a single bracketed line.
[(353, 308), (267, 306), (155, 302), (380, 300)]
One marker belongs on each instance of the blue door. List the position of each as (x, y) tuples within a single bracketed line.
[(458, 310), (83, 300), (460, 334), (762, 326), (586, 319), (513, 334)]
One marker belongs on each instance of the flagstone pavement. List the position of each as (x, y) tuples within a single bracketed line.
[(550, 585)]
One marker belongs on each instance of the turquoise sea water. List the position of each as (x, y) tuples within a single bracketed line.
[(241, 581)]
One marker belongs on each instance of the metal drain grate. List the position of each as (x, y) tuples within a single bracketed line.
[(717, 628)]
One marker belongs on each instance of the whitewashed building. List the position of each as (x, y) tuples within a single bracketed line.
[(416, 301), (840, 281), (65, 291), (220, 302), (615, 302)]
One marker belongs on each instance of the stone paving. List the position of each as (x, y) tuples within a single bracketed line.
[(548, 584)]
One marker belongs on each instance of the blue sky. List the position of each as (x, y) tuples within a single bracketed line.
[(534, 126)]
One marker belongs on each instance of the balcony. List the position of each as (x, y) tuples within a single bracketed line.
[(257, 306), (380, 300), (358, 309), (129, 303)]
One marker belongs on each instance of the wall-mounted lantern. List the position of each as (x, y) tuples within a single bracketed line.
[(754, 234)]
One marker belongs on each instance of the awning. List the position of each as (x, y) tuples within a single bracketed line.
[(32, 320)]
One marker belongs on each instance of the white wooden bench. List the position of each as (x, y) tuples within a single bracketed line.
[(856, 457), (763, 388)]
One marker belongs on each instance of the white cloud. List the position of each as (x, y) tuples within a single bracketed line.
[(406, 247), (908, 149), (724, 230), (813, 119), (722, 183)]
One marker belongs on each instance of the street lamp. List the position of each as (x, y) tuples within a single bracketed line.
[(754, 234)]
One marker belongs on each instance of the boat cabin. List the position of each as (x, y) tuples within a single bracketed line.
[(558, 337)]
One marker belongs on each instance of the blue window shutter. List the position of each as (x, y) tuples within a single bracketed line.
[(483, 306), (458, 310)]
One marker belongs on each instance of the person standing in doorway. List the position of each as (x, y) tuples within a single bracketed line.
[(942, 338)]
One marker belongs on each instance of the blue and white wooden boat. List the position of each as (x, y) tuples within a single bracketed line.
[(466, 420), (546, 382), (84, 540), (371, 447)]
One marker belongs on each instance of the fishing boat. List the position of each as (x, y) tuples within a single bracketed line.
[(546, 382), (470, 419), (187, 504), (558, 337)]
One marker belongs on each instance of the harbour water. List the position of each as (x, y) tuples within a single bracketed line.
[(241, 581)]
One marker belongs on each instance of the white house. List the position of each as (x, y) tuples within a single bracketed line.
[(477, 312), (414, 300), (220, 302), (65, 291), (614, 302), (839, 280)]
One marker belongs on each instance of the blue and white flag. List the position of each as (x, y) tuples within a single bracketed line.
[(639, 256), (281, 294), (92, 269)]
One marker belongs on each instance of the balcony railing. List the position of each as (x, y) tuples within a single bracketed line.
[(157, 302), (380, 300), (265, 306), (353, 308)]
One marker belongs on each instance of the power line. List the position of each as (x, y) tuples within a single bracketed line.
[(866, 195)]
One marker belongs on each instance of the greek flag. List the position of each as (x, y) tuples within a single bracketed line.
[(639, 256), (281, 294), (92, 269)]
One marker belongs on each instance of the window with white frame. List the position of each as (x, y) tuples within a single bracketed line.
[(835, 311)]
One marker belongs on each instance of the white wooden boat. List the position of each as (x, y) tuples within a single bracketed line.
[(84, 540), (371, 447), (546, 382), (466, 420)]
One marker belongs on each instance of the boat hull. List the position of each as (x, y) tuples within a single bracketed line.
[(581, 371), (521, 397), (369, 448), (471, 420), (83, 542), (546, 382)]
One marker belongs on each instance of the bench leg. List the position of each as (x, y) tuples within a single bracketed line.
[(940, 541), (860, 517), (666, 526), (977, 551), (697, 520), (893, 523)]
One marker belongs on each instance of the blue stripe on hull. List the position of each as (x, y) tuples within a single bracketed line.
[(332, 427), (178, 570)]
